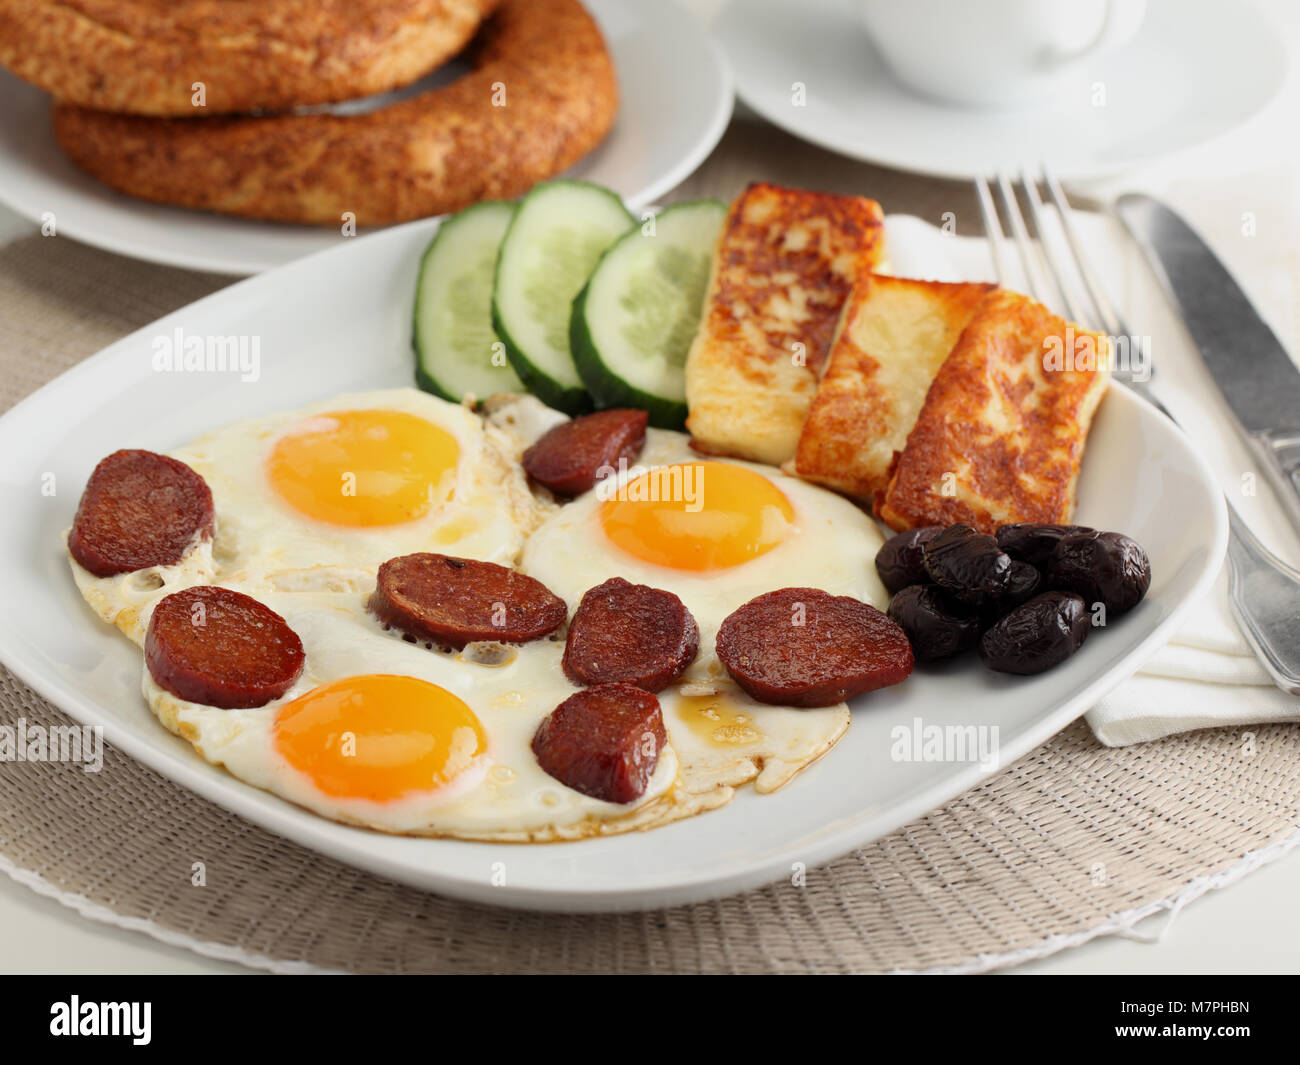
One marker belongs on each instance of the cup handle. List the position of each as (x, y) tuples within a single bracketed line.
[(1119, 25)]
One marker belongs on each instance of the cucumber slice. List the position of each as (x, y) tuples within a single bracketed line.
[(558, 233), (634, 321), (456, 351)]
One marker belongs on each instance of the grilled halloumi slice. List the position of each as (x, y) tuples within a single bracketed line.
[(894, 335), (784, 263), (1001, 434)]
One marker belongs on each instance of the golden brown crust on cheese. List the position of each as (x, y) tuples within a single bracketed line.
[(894, 335), (784, 264), (144, 56), (436, 152), (1001, 434)]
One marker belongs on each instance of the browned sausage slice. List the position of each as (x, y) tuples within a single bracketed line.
[(804, 647), (603, 741), (139, 509), (625, 633), (221, 648), (455, 601), (573, 456)]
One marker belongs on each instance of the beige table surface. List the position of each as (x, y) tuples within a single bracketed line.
[(1254, 926)]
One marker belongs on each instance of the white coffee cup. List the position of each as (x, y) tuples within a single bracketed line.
[(982, 53)]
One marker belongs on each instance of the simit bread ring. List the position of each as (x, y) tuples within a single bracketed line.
[(542, 94), (144, 56)]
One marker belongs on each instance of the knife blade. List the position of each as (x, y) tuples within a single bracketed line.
[(1247, 361)]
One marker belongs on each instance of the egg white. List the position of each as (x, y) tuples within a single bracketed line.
[(724, 739), (127, 599)]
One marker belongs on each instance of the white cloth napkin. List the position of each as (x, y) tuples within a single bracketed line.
[(1206, 676)]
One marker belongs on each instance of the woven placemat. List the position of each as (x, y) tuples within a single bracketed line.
[(1073, 841)]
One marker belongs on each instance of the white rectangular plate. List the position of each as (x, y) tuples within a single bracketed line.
[(340, 321)]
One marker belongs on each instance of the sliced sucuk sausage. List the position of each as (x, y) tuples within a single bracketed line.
[(625, 633), (139, 509), (804, 647), (569, 458), (456, 601), (603, 741), (221, 648)]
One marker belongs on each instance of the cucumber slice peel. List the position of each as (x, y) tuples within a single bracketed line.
[(635, 319), (557, 235), (457, 353)]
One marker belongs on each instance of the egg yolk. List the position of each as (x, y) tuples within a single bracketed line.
[(697, 516), (379, 737), (364, 467)]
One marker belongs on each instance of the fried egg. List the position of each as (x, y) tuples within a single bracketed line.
[(716, 533), (399, 737), (405, 738), (319, 497)]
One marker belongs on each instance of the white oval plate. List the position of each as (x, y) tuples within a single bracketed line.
[(1159, 97), (675, 101), (340, 321)]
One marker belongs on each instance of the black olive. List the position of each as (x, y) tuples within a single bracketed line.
[(968, 565), (936, 626), (1037, 635), (1103, 567), (1023, 583), (1033, 541), (899, 560)]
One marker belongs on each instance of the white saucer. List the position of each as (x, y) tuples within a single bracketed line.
[(1197, 69), (676, 99)]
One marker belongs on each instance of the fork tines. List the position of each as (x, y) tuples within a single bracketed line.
[(1046, 273)]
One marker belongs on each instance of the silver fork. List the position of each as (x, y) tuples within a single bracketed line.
[(1264, 590)]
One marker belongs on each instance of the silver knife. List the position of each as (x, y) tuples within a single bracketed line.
[(1248, 362)]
